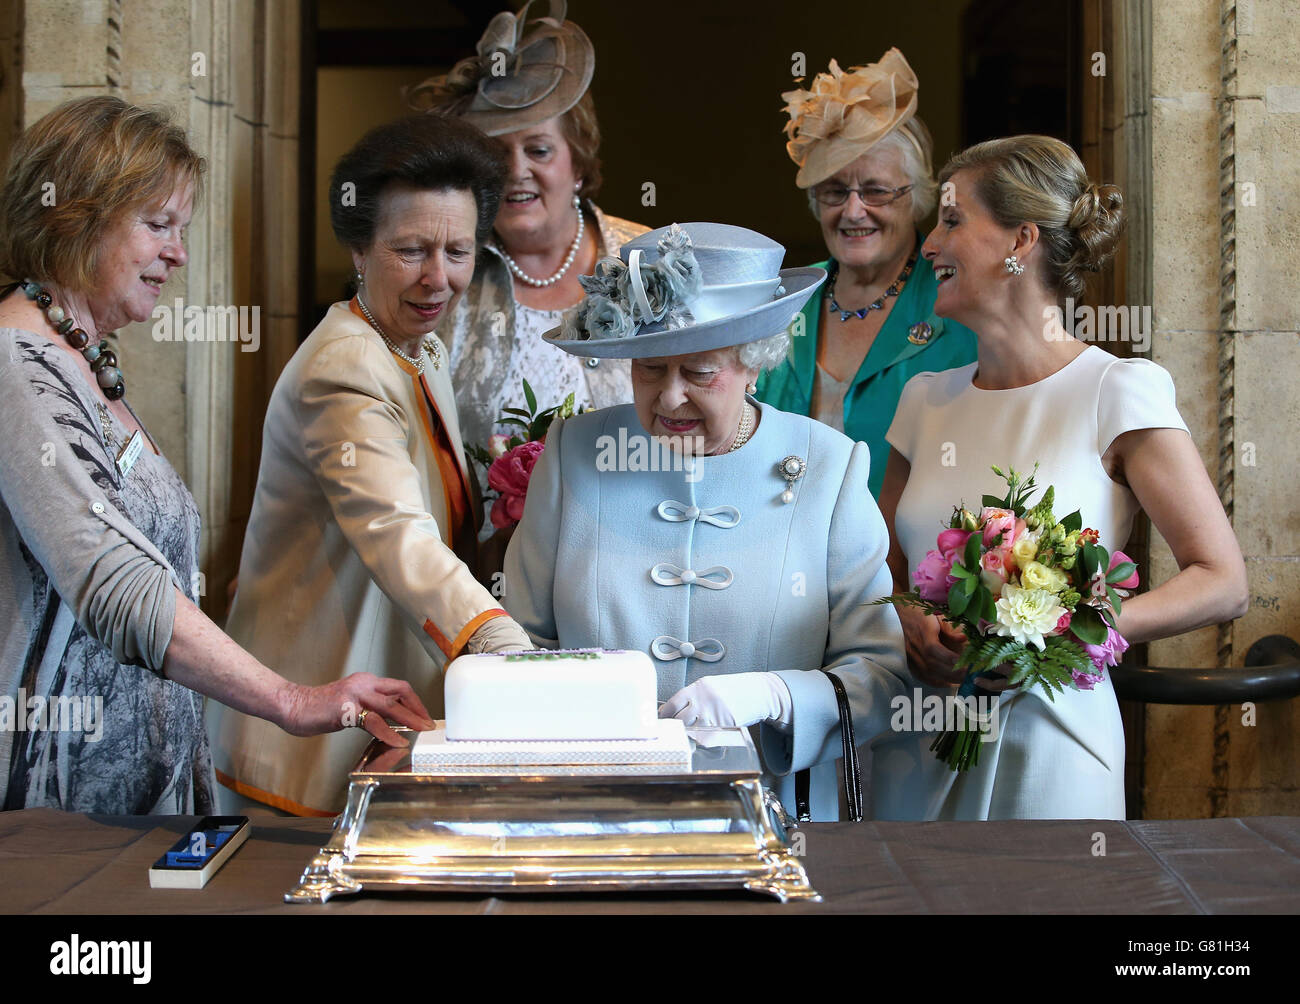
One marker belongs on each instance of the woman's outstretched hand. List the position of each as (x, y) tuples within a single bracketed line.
[(311, 711)]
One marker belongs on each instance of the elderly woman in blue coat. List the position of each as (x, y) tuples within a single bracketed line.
[(736, 544)]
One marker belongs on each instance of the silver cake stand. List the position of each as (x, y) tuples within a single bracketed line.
[(561, 829)]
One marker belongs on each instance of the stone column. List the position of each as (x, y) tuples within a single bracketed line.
[(227, 71), (11, 63), (1225, 135)]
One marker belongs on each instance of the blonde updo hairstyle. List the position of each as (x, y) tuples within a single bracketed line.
[(1040, 180)]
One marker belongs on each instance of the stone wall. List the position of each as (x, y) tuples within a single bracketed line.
[(1225, 127), (227, 71)]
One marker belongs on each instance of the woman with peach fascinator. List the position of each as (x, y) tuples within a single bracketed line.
[(865, 160)]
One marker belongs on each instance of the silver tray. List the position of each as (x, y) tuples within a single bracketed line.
[(561, 829)]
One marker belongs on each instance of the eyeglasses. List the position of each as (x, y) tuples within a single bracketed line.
[(872, 195)]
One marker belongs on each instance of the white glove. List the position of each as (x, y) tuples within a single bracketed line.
[(737, 699), (500, 634)]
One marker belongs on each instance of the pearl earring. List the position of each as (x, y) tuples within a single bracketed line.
[(1013, 266), (361, 279), (751, 388)]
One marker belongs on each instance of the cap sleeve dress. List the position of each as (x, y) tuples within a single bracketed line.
[(1050, 760)]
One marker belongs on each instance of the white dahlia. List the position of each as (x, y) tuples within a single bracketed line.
[(1027, 614)]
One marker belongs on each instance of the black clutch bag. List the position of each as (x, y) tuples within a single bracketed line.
[(852, 769)]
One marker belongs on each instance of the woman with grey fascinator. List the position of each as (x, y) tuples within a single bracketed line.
[(527, 85), (734, 543)]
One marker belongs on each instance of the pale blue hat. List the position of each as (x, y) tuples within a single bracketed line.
[(693, 287)]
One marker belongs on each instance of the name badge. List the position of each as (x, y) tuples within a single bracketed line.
[(130, 453)]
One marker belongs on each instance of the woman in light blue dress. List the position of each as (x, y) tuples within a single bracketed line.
[(735, 544)]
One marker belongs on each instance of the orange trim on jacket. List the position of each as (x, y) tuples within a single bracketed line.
[(451, 649), (458, 504), (266, 798)]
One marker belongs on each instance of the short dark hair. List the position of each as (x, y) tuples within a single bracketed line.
[(431, 152)]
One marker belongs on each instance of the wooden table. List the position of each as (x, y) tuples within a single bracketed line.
[(53, 862)]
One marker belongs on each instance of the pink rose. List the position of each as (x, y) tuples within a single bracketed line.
[(1063, 625), (952, 542), (994, 572), (509, 475), (1118, 558), (498, 445), (931, 577), (1000, 521)]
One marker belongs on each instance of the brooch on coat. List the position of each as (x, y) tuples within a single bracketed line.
[(792, 468)]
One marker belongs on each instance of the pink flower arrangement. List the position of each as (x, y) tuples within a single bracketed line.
[(1037, 597), (509, 458), (509, 475)]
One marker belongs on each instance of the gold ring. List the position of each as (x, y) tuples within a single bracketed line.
[(361, 718)]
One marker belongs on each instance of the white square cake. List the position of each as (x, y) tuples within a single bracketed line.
[(581, 707), (566, 694)]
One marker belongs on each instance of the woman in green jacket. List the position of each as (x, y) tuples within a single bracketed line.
[(865, 159)]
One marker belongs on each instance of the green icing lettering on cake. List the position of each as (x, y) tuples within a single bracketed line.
[(549, 656)]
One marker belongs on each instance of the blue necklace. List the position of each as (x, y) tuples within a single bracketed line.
[(877, 304)]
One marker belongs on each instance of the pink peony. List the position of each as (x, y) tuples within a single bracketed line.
[(1000, 521), (931, 577), (1118, 558), (509, 475)]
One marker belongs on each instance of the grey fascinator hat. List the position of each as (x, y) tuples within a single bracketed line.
[(693, 287), (524, 73)]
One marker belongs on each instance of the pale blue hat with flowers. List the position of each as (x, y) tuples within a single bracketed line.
[(691, 287)]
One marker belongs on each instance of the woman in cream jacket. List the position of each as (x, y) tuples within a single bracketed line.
[(356, 549)]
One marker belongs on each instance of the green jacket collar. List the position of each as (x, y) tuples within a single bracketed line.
[(891, 346)]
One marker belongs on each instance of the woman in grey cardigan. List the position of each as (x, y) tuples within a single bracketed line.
[(103, 656)]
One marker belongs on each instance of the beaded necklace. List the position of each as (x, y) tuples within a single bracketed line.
[(879, 303), (103, 361)]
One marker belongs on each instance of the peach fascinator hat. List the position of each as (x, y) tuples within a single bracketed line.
[(844, 115)]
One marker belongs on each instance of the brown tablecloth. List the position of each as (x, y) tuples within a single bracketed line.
[(55, 862)]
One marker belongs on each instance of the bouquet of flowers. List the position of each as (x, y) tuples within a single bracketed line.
[(1029, 591), (509, 459)]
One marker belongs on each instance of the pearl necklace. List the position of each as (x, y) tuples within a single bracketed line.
[(523, 276), (418, 361), (746, 429)]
